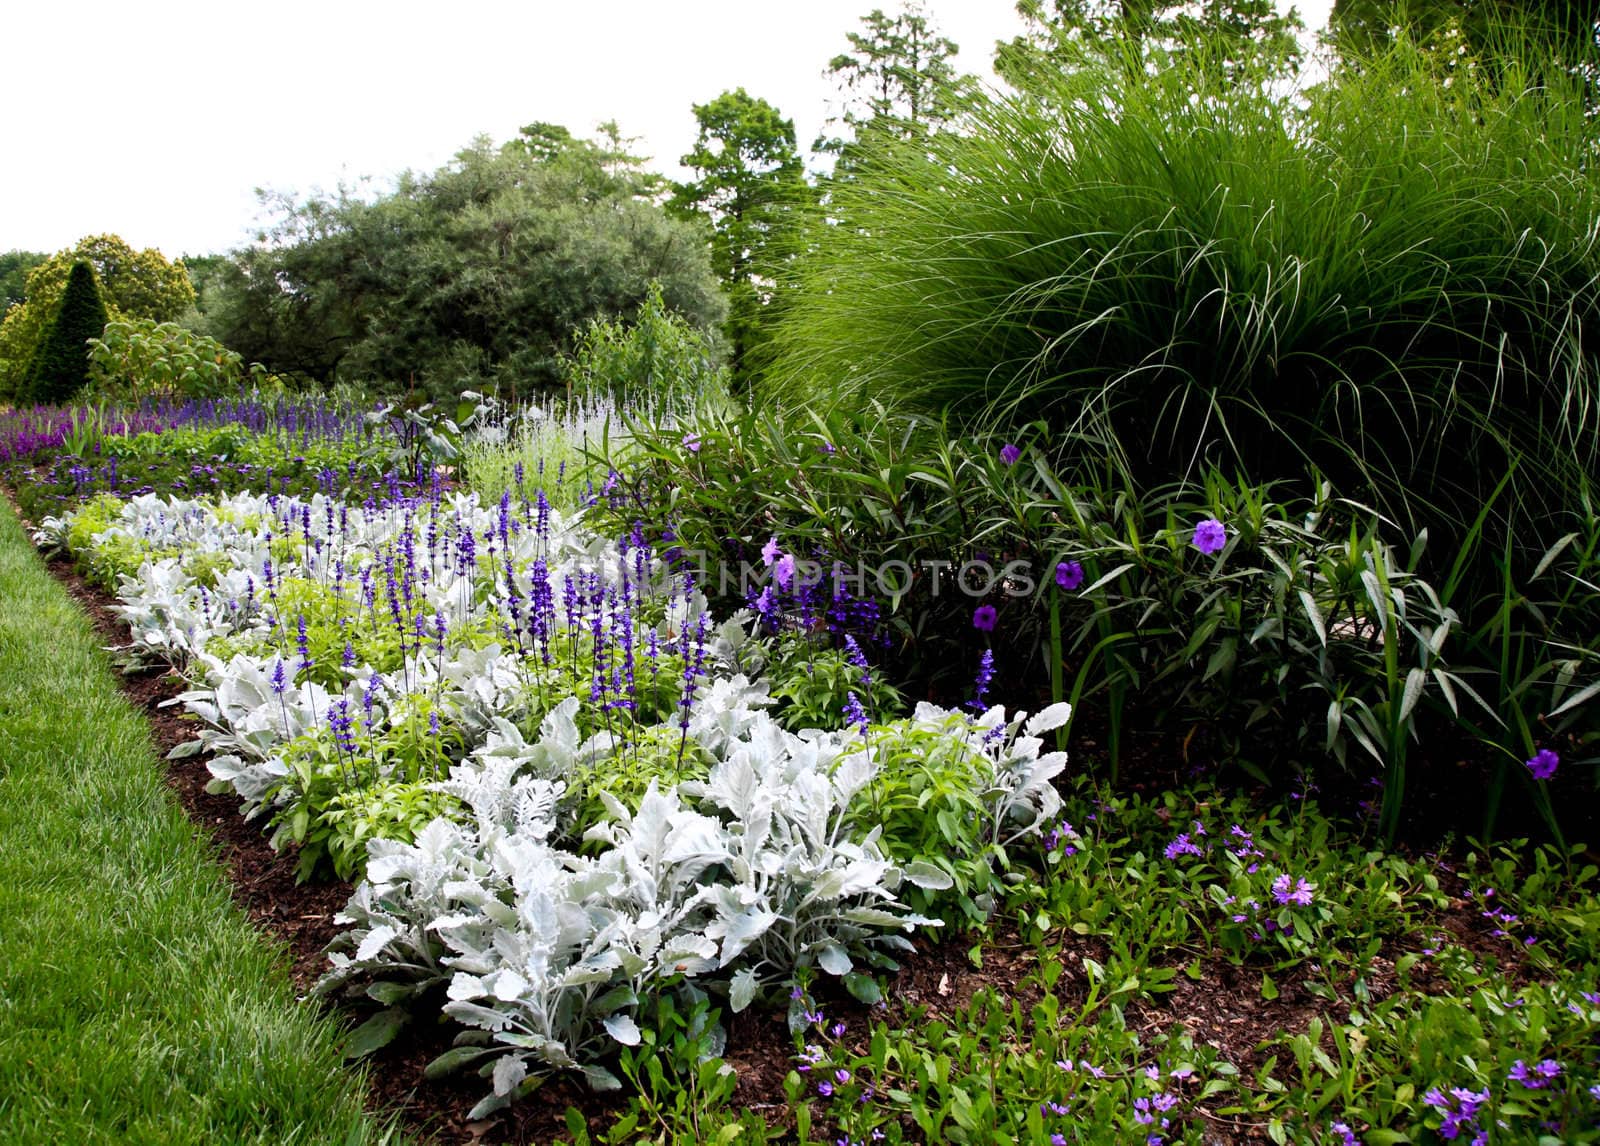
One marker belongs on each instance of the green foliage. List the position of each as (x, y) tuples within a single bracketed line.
[(659, 361), (133, 284), (812, 683), (475, 276), (1246, 37), (1566, 27), (752, 188), (928, 800), (1387, 282), (143, 358), (14, 268), (60, 366), (659, 754), (898, 84), (344, 799)]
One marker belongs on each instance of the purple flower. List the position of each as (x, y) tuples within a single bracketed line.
[(1009, 454), (1209, 536), (983, 618), (783, 571), (980, 698), (691, 442), (1543, 764), (854, 713), (1536, 1077), (1069, 575), (825, 1088), (770, 551), (1299, 894), (1182, 846), (1346, 1136)]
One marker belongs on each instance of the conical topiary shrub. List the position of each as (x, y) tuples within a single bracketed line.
[(60, 366)]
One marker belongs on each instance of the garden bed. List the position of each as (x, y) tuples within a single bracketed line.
[(1215, 1001)]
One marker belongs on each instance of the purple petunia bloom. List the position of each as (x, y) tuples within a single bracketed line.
[(1009, 454), (770, 551), (1209, 536), (1069, 575), (1346, 1135), (691, 442), (983, 618), (783, 571), (1543, 764)]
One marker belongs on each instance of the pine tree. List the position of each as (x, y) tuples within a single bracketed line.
[(60, 366)]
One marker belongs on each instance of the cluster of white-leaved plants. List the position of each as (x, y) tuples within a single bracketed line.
[(541, 934)]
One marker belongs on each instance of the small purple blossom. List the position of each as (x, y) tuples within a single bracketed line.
[(983, 618), (1543, 764), (1299, 894), (1535, 1077), (1069, 575), (770, 551), (1210, 536), (691, 442), (1182, 846), (1009, 454)]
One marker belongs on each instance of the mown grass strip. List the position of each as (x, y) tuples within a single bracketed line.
[(137, 1004)]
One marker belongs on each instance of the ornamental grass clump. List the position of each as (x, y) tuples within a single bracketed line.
[(1388, 277)]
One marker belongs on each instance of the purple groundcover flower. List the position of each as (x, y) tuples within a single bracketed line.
[(770, 551), (1299, 894), (1460, 1110), (691, 442), (1009, 454), (1182, 846), (1210, 536), (1543, 764), (1535, 1077), (983, 618), (1069, 575), (1346, 1135)]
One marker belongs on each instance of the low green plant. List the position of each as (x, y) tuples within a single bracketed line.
[(813, 683), (140, 357)]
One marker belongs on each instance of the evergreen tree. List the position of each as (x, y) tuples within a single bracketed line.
[(897, 83), (1242, 37), (60, 366), (753, 191)]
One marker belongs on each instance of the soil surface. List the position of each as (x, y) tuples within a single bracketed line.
[(1220, 1004)]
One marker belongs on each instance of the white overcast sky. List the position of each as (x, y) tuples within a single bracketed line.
[(157, 120)]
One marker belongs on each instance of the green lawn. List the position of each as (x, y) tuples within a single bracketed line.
[(137, 1004)]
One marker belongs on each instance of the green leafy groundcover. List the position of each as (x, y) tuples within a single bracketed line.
[(136, 1003)]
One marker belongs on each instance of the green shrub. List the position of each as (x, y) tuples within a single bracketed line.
[(60, 366), (142, 358)]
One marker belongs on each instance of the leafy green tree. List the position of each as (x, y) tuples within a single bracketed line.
[(477, 275), (1239, 35), (1357, 27), (60, 366), (752, 188), (14, 268), (897, 84), (133, 284)]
